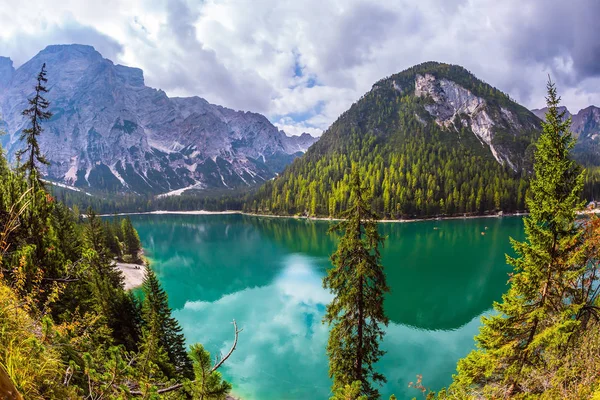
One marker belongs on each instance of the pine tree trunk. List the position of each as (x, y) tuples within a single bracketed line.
[(360, 328), (33, 131)]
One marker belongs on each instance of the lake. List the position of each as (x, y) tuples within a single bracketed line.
[(266, 273)]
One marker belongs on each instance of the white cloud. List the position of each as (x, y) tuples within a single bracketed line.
[(293, 128), (245, 54)]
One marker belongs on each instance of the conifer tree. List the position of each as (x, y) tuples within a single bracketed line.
[(94, 236), (68, 235), (159, 323), (111, 239), (105, 285), (37, 114), (535, 315), (208, 383), (130, 238), (358, 283)]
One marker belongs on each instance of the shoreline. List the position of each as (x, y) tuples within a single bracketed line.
[(134, 274), (232, 212)]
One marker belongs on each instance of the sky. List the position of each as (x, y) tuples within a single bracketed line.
[(304, 62)]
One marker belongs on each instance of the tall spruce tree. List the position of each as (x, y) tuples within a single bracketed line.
[(67, 232), (535, 315), (94, 236), (111, 239), (358, 283), (159, 323), (130, 238), (37, 114)]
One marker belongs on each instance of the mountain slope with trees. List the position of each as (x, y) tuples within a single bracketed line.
[(542, 341), (431, 140)]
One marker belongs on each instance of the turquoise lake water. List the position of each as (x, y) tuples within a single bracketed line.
[(266, 273)]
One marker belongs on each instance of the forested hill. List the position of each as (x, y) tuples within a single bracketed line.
[(431, 140)]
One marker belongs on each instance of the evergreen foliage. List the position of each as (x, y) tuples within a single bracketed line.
[(208, 384), (351, 392), (68, 329), (130, 239), (358, 283), (159, 324), (37, 113), (213, 200), (540, 312)]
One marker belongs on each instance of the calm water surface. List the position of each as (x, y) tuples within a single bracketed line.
[(266, 273)]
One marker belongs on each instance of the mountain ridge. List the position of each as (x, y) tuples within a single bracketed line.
[(585, 124), (112, 133)]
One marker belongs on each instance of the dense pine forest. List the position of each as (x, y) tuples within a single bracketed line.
[(420, 177), (111, 203)]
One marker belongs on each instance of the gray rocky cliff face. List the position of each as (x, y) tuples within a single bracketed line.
[(454, 107), (6, 71), (111, 132), (586, 122), (300, 143), (541, 112)]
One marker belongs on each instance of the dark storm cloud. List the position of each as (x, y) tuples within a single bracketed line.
[(561, 35), (70, 32), (360, 29)]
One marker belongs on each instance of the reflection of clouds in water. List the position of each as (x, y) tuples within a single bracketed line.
[(283, 338), (433, 354), (282, 346), (177, 261), (246, 268), (301, 282)]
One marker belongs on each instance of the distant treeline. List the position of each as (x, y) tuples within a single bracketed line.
[(252, 200), (103, 203)]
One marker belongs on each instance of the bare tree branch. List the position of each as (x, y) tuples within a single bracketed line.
[(237, 331), (213, 369)]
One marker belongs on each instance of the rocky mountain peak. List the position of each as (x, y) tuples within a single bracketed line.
[(6, 71), (111, 132), (586, 128), (406, 134), (541, 112), (586, 123), (300, 143), (70, 48)]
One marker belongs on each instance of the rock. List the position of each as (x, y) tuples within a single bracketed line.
[(6, 71), (452, 102), (586, 128), (111, 132)]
